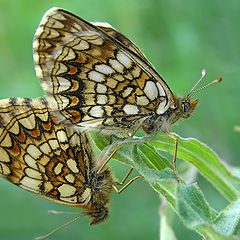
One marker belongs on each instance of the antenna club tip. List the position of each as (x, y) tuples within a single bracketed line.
[(204, 72), (52, 212), (219, 79)]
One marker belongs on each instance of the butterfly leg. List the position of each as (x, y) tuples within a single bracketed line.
[(110, 139), (105, 163), (118, 191), (113, 153), (135, 130), (125, 178), (175, 154)]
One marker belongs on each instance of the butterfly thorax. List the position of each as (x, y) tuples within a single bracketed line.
[(182, 107)]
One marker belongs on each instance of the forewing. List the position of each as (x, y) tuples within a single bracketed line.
[(42, 156), (95, 77), (117, 36)]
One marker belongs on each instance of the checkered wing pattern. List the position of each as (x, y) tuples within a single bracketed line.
[(94, 76), (44, 157)]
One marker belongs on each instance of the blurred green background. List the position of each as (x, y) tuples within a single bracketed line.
[(180, 38)]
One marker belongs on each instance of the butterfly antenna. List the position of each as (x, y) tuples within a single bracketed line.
[(199, 89), (60, 227), (57, 212)]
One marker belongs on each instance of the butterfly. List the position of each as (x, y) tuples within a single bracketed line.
[(43, 156), (95, 78)]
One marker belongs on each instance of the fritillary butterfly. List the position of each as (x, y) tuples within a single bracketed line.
[(55, 162), (96, 78)]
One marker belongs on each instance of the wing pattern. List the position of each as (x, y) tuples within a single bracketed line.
[(94, 76), (44, 157)]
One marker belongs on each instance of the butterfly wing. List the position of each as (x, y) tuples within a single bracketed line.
[(117, 36), (42, 156), (94, 76)]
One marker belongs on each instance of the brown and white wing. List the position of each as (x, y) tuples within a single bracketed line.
[(42, 156), (95, 77), (117, 36)]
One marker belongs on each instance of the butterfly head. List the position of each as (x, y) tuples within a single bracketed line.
[(98, 215), (183, 107)]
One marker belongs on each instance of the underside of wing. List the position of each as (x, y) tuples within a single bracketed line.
[(117, 36), (42, 156), (94, 76)]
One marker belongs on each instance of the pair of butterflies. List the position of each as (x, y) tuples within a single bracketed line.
[(95, 79)]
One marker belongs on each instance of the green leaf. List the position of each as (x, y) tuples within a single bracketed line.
[(166, 232), (139, 160), (205, 160), (187, 201), (102, 142), (228, 220), (193, 207), (162, 181), (152, 158), (209, 234)]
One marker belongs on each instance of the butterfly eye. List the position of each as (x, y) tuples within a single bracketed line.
[(100, 178), (185, 106)]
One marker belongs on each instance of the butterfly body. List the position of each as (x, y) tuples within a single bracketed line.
[(183, 108)]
